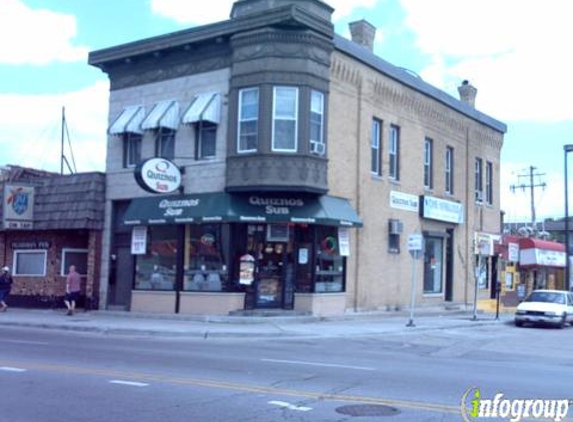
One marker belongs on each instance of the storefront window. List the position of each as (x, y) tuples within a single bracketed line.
[(156, 269), (329, 264), (205, 259), (433, 265)]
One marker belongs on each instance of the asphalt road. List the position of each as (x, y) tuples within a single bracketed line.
[(50, 376)]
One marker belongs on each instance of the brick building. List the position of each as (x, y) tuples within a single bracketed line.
[(50, 222), (307, 161)]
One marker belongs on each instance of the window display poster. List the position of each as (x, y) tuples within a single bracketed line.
[(344, 241), (139, 240), (247, 269), (303, 256)]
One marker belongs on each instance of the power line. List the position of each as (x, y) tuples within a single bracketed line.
[(531, 185)]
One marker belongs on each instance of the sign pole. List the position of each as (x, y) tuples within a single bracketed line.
[(413, 295)]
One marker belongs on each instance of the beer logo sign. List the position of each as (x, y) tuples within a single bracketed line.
[(19, 200), (158, 175)]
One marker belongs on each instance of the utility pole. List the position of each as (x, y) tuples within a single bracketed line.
[(531, 186)]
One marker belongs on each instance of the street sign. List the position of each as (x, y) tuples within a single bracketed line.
[(416, 245)]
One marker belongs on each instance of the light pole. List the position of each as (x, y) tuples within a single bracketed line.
[(567, 149)]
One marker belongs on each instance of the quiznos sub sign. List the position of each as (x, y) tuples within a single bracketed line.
[(158, 175)]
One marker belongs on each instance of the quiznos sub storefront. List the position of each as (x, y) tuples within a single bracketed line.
[(215, 253)]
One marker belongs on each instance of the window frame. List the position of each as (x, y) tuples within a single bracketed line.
[(240, 120), (449, 170), (129, 139), (202, 127), (489, 183), (376, 146), (17, 252), (428, 163), (394, 152), (63, 269), (163, 134), (478, 180), (276, 118)]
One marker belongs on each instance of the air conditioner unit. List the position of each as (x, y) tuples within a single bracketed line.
[(395, 226), (317, 148), (479, 196)]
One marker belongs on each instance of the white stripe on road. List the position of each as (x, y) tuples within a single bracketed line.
[(36, 343), (290, 406), (130, 383), (328, 365), (11, 369)]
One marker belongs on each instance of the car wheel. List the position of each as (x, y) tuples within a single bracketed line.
[(563, 321), (518, 323)]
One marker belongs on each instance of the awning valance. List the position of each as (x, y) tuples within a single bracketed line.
[(129, 121), (224, 207), (205, 107), (163, 114), (536, 252)]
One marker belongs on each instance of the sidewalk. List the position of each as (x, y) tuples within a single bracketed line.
[(137, 324)]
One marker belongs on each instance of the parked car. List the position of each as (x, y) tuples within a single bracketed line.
[(553, 307)]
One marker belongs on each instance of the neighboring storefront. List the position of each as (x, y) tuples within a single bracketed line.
[(50, 222), (541, 264)]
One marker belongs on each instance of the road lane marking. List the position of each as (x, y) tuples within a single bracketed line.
[(12, 369), (328, 365), (290, 406), (130, 383), (35, 343), (237, 386)]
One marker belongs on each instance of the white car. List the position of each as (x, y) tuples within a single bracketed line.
[(553, 307)]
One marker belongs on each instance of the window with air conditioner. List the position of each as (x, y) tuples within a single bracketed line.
[(317, 144)]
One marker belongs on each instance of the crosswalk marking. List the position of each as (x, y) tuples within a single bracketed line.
[(12, 369), (290, 406), (130, 383)]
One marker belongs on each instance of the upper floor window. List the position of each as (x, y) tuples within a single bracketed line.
[(489, 183), (376, 147), (428, 163), (131, 149), (206, 140), (165, 143), (394, 152), (285, 111), (248, 130), (449, 165), (317, 123), (478, 180)]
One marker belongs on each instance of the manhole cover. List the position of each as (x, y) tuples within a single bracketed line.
[(368, 410)]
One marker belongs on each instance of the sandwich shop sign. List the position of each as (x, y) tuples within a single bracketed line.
[(158, 175)]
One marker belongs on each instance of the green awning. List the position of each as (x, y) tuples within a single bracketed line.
[(256, 208)]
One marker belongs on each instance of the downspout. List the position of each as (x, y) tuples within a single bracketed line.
[(357, 190), (468, 202)]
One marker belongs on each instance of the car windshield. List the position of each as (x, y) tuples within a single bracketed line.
[(547, 297)]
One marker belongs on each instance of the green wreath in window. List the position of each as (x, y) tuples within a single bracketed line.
[(328, 245)]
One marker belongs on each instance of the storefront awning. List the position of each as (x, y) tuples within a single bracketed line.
[(224, 207), (163, 114), (205, 107), (536, 252), (129, 121)]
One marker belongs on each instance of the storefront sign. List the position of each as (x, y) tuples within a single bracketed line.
[(441, 210), (36, 244), (484, 243), (176, 207), (542, 257), (158, 175), (344, 241), (18, 207), (512, 252), (404, 201), (139, 240), (276, 206)]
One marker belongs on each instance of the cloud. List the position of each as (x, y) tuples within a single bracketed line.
[(35, 36), (502, 48), (31, 128), (181, 12)]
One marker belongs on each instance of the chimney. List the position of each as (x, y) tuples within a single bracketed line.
[(468, 93), (363, 33)]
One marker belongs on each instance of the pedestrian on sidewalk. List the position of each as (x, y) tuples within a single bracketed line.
[(73, 288), (5, 287)]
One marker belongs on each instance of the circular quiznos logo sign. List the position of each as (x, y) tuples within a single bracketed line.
[(158, 175)]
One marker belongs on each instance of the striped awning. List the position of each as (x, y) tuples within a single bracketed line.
[(163, 114), (205, 107), (129, 121)]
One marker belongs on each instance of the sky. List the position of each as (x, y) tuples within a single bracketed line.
[(515, 52)]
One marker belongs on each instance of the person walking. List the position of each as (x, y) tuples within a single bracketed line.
[(5, 287), (73, 288)]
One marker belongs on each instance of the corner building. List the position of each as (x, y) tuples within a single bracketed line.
[(306, 162)]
